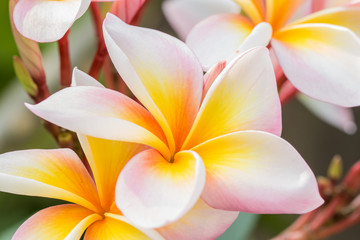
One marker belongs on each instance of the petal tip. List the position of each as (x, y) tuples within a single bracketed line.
[(350, 128)]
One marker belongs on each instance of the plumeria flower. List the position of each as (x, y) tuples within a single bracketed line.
[(339, 117), (318, 53), (193, 11), (60, 174), (223, 149), (49, 20)]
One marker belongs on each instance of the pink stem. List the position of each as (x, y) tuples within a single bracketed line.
[(65, 61), (101, 52), (287, 92)]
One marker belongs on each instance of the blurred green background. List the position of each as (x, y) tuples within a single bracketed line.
[(316, 141)]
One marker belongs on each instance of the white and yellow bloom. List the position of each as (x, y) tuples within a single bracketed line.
[(223, 149)]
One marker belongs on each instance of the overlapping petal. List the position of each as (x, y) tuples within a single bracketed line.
[(322, 4), (117, 229), (48, 173), (102, 113), (162, 73), (278, 12), (243, 97), (339, 117), (211, 76), (260, 35), (200, 223), (217, 37), (47, 21), (255, 9), (127, 9), (253, 171), (67, 221), (153, 192), (107, 158), (347, 16), (183, 15), (80, 78), (321, 60)]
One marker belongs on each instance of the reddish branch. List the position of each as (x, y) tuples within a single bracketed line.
[(101, 52), (42, 88), (287, 92), (65, 62), (109, 73), (340, 211)]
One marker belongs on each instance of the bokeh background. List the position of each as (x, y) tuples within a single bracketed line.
[(19, 129)]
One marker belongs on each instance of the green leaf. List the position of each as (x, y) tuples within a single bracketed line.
[(241, 228), (9, 232)]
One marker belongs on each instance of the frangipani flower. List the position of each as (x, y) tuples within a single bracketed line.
[(319, 53), (224, 149), (183, 15), (49, 20), (60, 174)]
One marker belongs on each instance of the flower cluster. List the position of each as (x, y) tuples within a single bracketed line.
[(180, 154)]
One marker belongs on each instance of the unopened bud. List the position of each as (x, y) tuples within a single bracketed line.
[(28, 49), (24, 77), (335, 169), (65, 139), (325, 186), (352, 178)]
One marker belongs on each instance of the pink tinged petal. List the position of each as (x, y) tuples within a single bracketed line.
[(257, 172), (218, 37), (200, 223), (28, 49), (67, 221), (277, 68), (303, 10), (80, 78), (122, 221), (211, 75), (59, 222), (260, 35), (339, 117), (126, 10), (107, 158), (152, 192), (243, 97), (101, 113), (255, 9), (278, 12), (48, 173), (347, 16), (47, 21), (163, 74), (322, 61), (318, 5), (183, 15)]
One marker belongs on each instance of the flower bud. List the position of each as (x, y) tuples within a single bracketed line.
[(28, 49), (335, 169), (24, 77)]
